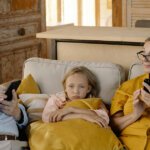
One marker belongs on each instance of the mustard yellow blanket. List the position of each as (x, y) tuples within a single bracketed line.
[(73, 134)]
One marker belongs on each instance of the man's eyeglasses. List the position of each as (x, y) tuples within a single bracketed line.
[(142, 56)]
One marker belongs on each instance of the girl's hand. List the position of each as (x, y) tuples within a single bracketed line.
[(95, 119), (58, 114), (60, 101), (138, 105), (91, 118), (10, 107), (145, 95)]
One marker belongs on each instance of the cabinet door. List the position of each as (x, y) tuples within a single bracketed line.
[(20, 20), (19, 7), (11, 63), (5, 7), (7, 70)]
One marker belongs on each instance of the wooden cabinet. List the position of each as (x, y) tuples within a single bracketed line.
[(20, 20), (133, 10)]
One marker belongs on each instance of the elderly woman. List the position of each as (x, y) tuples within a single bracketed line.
[(130, 110)]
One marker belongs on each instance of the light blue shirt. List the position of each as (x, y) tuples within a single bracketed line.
[(9, 126)]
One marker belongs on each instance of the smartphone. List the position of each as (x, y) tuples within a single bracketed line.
[(13, 85), (148, 82)]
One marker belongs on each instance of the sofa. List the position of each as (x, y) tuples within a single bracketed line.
[(48, 75)]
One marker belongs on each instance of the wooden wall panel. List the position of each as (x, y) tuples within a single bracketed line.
[(97, 12), (7, 70), (20, 20), (117, 13), (135, 10), (11, 63), (23, 4), (5, 7), (19, 59), (33, 52)]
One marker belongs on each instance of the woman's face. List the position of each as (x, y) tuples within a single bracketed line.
[(77, 86), (146, 64)]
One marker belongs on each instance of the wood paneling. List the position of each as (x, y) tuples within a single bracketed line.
[(20, 20), (117, 13), (136, 10), (23, 4), (97, 12), (58, 10), (79, 11)]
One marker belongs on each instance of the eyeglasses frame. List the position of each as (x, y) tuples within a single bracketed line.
[(145, 56)]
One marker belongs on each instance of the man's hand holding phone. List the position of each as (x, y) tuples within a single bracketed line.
[(2, 95), (13, 85), (10, 107)]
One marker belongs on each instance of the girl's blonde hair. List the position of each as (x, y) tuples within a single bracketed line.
[(92, 80)]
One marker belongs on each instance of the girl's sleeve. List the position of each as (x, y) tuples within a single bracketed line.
[(49, 108), (102, 112)]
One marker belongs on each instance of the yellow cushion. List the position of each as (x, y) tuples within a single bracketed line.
[(73, 134), (89, 103), (28, 85)]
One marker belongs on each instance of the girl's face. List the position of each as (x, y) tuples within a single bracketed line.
[(146, 64), (77, 86)]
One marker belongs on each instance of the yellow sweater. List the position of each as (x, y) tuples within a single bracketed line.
[(137, 135)]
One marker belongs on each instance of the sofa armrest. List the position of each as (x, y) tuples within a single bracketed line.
[(4, 86)]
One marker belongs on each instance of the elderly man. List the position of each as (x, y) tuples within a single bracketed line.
[(12, 116)]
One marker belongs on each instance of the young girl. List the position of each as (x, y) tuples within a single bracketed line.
[(78, 83)]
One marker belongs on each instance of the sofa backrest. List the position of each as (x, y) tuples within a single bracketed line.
[(48, 74), (135, 70)]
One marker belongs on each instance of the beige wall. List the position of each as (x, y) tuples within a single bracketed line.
[(119, 54)]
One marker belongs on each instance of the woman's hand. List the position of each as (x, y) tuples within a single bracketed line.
[(145, 95), (10, 107), (138, 105)]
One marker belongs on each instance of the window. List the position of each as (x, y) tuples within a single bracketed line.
[(79, 12)]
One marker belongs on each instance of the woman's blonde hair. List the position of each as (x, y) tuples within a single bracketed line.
[(147, 40), (92, 80)]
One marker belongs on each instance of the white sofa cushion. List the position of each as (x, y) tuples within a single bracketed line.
[(135, 70), (48, 74), (34, 104)]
